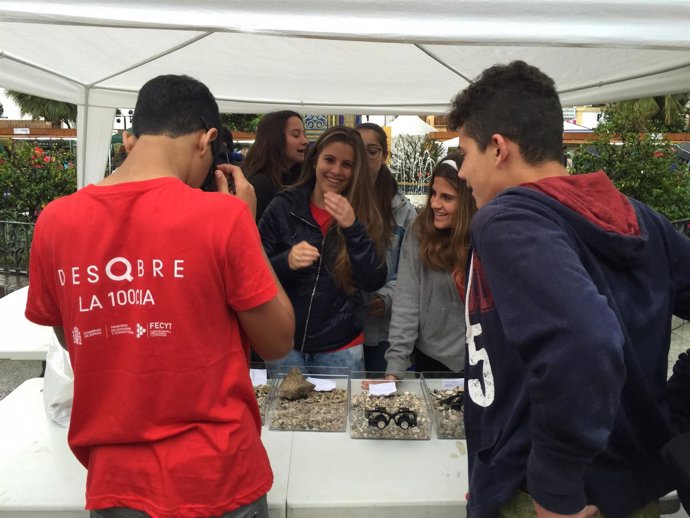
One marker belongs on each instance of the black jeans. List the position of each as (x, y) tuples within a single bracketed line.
[(424, 363), (375, 357)]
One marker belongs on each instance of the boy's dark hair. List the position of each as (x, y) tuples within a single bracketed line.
[(517, 101), (173, 106)]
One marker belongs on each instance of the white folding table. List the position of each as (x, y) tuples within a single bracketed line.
[(339, 477), (42, 479), (21, 339), (316, 474)]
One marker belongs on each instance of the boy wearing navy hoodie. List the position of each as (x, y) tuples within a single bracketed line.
[(570, 295)]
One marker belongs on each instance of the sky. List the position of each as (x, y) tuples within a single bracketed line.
[(12, 112), (11, 109)]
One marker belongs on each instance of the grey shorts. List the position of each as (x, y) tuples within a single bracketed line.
[(257, 509)]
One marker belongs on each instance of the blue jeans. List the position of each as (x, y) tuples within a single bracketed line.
[(350, 359), (256, 509)]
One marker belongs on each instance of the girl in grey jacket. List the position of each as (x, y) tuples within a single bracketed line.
[(427, 325), (398, 213)]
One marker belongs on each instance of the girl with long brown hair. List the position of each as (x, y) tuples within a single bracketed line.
[(427, 328), (397, 213), (326, 241), (275, 159)]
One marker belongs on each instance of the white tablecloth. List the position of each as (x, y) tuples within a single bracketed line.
[(40, 478), (21, 339)]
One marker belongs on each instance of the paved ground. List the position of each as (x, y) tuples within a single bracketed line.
[(680, 341), (13, 373)]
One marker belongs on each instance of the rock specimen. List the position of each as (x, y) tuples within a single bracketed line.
[(294, 386)]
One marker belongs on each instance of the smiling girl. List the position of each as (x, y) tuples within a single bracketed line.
[(326, 241), (427, 324)]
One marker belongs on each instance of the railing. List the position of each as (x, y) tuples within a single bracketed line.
[(683, 225), (15, 237), (15, 243)]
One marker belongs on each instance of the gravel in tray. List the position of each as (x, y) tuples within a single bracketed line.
[(450, 422), (319, 411), (261, 393)]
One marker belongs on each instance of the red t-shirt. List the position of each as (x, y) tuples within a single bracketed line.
[(322, 217), (145, 278)]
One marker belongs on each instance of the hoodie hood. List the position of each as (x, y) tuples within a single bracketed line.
[(599, 214), (594, 197)]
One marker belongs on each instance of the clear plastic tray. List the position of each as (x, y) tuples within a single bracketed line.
[(319, 411), (402, 415), (262, 382), (445, 393)]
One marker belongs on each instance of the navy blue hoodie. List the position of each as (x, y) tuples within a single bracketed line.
[(570, 301)]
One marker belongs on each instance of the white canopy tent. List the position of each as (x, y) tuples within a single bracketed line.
[(383, 57), (410, 125)]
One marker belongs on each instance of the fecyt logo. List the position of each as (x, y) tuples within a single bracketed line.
[(141, 330), (160, 329)]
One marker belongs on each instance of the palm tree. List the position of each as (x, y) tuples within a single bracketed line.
[(55, 112), (668, 111)]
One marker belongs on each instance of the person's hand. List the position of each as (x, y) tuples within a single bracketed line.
[(376, 307), (242, 188), (589, 511), (338, 207), (302, 255), (388, 377)]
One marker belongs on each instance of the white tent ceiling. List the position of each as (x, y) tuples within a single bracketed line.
[(356, 56)]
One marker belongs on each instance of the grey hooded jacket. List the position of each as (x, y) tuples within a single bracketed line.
[(376, 328), (427, 313)]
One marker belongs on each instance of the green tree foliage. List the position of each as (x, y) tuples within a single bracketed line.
[(667, 113), (638, 159), (55, 112), (240, 121), (31, 176), (413, 158)]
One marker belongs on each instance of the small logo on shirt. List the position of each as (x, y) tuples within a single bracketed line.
[(140, 330), (76, 336), (160, 329)]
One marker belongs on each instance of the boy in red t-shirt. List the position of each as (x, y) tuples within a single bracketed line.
[(153, 286)]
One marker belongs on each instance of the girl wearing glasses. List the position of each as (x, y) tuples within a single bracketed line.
[(326, 241), (427, 326), (397, 213), (275, 159)]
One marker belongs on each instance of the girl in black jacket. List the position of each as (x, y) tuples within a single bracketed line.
[(275, 159), (326, 240)]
